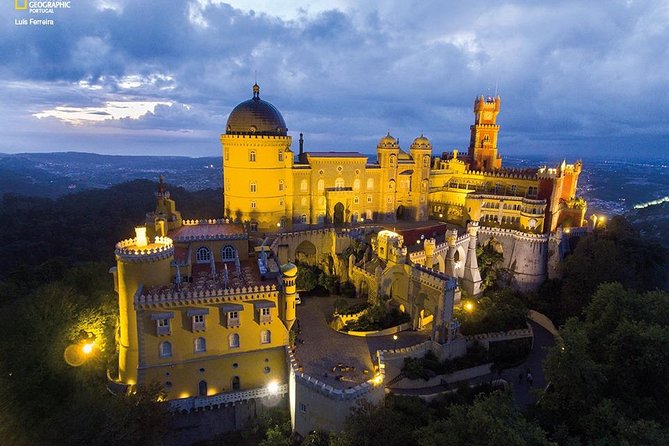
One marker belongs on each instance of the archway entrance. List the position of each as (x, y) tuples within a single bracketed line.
[(235, 383), (399, 214), (339, 214), (202, 388)]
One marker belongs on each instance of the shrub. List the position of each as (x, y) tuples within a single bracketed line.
[(347, 289)]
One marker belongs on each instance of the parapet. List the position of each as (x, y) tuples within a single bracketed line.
[(131, 252)]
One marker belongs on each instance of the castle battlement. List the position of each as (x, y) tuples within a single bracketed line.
[(251, 136), (503, 174), (128, 250), (514, 233), (193, 297), (433, 279), (211, 221), (194, 238)]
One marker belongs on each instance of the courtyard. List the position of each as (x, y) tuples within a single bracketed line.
[(335, 358)]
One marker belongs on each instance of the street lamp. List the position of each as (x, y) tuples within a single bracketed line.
[(469, 306), (395, 337)]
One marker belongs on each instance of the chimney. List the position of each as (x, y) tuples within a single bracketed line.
[(301, 144)]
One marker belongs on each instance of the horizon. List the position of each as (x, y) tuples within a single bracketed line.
[(573, 77)]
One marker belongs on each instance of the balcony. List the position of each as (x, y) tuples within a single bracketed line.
[(221, 399)]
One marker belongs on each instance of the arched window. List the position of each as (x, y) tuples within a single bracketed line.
[(356, 200), (228, 253), (426, 161), (304, 186), (203, 255), (165, 349), (202, 388), (253, 187), (233, 340), (321, 186), (339, 183), (200, 345), (265, 337), (280, 185), (303, 218), (392, 160), (370, 183), (252, 156), (304, 201), (356, 184), (280, 154)]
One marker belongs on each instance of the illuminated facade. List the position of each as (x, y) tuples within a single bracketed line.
[(266, 188), (198, 314)]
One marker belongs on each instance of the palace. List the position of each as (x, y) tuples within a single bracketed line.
[(207, 306), (266, 188)]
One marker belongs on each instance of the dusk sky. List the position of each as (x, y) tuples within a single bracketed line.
[(156, 77)]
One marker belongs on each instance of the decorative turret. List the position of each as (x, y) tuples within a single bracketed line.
[(471, 279), (429, 245), (288, 276), (166, 217), (139, 264)]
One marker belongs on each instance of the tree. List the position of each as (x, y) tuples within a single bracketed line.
[(307, 277), (491, 420)]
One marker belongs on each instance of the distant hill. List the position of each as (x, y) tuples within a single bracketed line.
[(56, 174), (652, 221)]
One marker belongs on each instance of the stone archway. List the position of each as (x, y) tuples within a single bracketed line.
[(399, 213), (338, 218), (306, 252)]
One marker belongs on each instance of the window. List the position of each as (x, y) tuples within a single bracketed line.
[(162, 327), (252, 156), (203, 255), (281, 203), (304, 186), (390, 199), (253, 206), (280, 154), (321, 186), (303, 218), (228, 253), (280, 185), (339, 183), (227, 153), (426, 161), (253, 186), (356, 200), (303, 408), (369, 215), (265, 335), (200, 345), (198, 322), (369, 198), (233, 319), (266, 370), (265, 315), (356, 184), (392, 160), (165, 349), (233, 340), (254, 224), (370, 183)]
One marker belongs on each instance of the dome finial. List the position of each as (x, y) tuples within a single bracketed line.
[(256, 91)]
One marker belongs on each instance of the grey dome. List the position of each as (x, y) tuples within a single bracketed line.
[(256, 117)]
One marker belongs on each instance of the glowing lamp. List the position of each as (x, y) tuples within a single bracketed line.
[(394, 337), (469, 306), (87, 348), (140, 236), (273, 387)]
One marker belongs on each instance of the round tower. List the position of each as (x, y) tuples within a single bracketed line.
[(289, 276), (140, 264), (255, 183)]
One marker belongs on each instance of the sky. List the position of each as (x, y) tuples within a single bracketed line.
[(155, 77)]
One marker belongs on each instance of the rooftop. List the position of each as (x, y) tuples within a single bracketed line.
[(337, 155), (207, 231)]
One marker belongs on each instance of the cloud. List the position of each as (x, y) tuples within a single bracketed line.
[(111, 110), (571, 74)]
